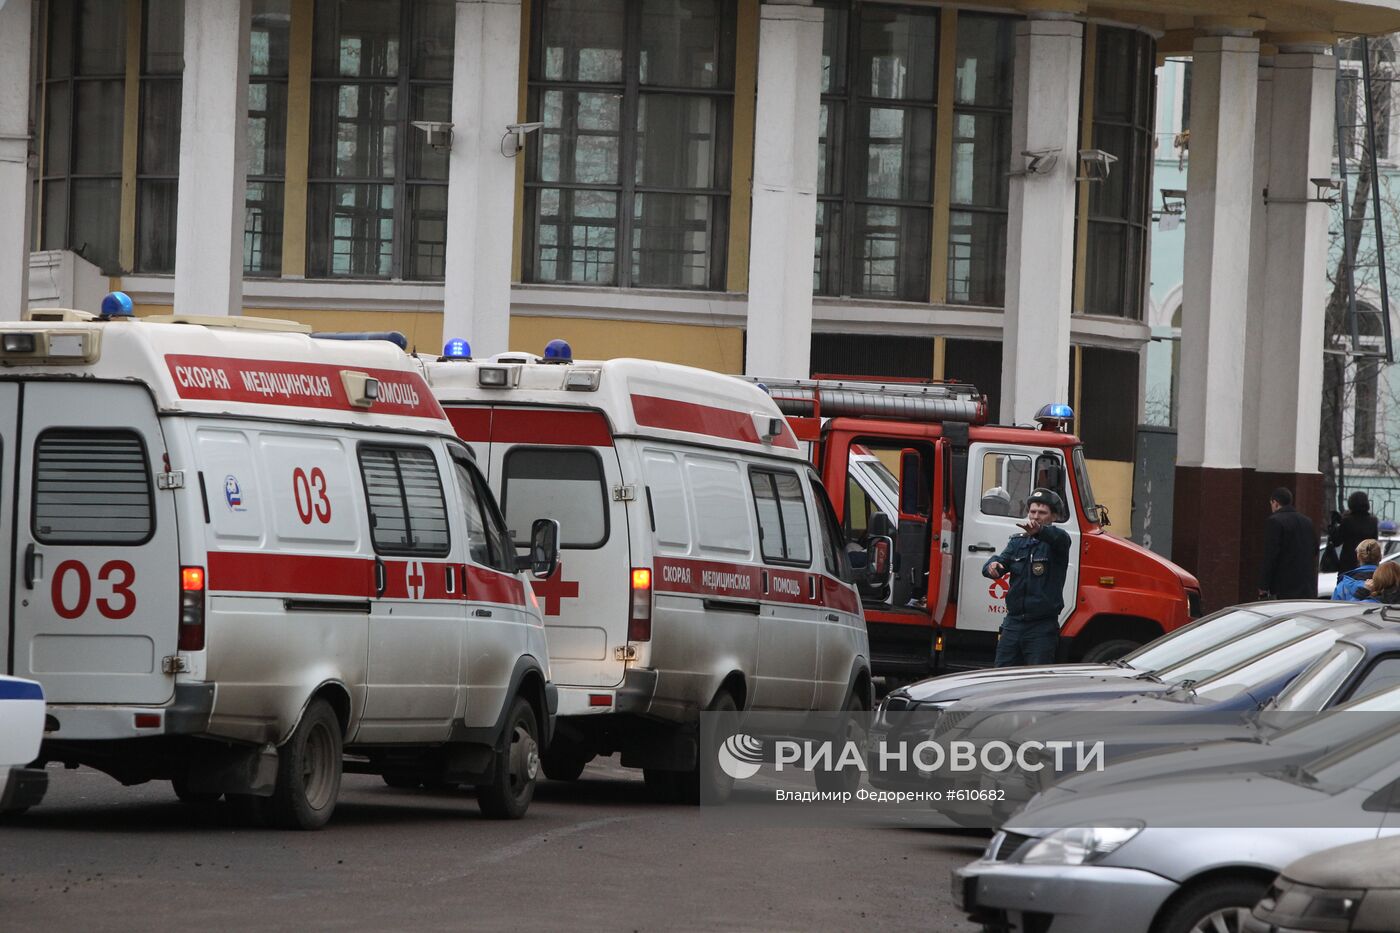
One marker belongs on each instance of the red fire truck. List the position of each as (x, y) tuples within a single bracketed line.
[(918, 463)]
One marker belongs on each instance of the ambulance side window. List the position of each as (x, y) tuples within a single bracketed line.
[(478, 551), (565, 484), (783, 532), (92, 487), (407, 512), (498, 542), (833, 540)]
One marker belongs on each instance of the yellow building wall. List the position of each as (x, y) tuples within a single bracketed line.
[(1113, 487)]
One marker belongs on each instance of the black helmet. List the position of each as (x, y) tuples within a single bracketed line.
[(1048, 497)]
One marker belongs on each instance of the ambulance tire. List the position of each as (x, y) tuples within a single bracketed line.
[(564, 762), (309, 766), (507, 796), (193, 798), (852, 729), (707, 782), (1110, 650)]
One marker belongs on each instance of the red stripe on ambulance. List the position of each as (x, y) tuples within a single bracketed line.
[(672, 415), (744, 581)]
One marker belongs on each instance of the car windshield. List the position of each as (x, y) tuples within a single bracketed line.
[(883, 475), (1353, 763), (1334, 725), (1276, 663), (1086, 491), (1241, 650), (1315, 687), (1190, 640)]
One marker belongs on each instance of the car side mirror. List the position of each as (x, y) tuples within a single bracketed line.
[(543, 558), (880, 526), (877, 559)]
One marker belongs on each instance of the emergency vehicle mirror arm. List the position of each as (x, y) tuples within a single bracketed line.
[(877, 564), (543, 558)]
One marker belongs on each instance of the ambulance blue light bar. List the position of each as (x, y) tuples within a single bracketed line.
[(558, 351), (1055, 417), (392, 336), (457, 349), (116, 305)]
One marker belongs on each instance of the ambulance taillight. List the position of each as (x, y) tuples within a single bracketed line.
[(639, 618), (191, 608)]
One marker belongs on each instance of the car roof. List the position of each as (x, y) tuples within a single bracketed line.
[(1378, 639)]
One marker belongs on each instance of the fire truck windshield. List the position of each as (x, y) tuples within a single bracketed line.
[(1086, 489)]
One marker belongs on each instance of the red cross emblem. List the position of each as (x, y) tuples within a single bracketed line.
[(1000, 586), (554, 590), (415, 580)]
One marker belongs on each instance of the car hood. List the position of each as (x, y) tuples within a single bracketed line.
[(1371, 864), (948, 688)]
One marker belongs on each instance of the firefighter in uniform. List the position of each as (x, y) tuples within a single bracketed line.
[(1037, 560)]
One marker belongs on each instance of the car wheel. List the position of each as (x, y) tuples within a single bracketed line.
[(181, 786), (852, 729), (1214, 907), (507, 796), (309, 765), (1110, 650)]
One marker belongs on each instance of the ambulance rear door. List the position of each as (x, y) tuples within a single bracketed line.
[(95, 578)]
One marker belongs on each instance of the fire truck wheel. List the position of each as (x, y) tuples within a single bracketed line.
[(512, 787), (1109, 650), (308, 771)]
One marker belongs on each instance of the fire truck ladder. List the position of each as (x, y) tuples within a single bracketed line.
[(831, 398)]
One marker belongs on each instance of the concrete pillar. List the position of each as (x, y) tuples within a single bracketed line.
[(213, 159), (1258, 261), (783, 233), (15, 88), (480, 180), (1040, 231), (1220, 196)]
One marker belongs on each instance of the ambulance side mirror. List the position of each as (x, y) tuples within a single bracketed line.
[(543, 559), (878, 549)]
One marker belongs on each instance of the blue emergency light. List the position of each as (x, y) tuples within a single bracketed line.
[(558, 351), (393, 336), (117, 305), (457, 349), (1055, 417)]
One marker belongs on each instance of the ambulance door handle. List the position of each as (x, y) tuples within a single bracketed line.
[(381, 577), (482, 613), (981, 548), (33, 565)]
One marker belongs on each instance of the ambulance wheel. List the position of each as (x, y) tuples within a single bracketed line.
[(852, 729), (181, 786), (564, 762), (1110, 650), (308, 771), (400, 782), (507, 796), (707, 782)]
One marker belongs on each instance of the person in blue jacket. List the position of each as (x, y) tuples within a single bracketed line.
[(1352, 584), (1037, 560)]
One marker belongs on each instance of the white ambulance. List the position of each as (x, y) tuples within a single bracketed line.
[(702, 567), (244, 559), (21, 731)]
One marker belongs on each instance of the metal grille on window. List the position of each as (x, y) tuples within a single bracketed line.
[(629, 182), (408, 514), (91, 487)]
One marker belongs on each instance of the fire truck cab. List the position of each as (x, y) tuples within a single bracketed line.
[(958, 487)]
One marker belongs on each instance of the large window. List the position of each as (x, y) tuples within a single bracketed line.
[(92, 487), (158, 152), (85, 76), (267, 136), (1118, 205), (981, 153), (565, 484), (628, 183), (407, 512), (875, 168), (377, 191)]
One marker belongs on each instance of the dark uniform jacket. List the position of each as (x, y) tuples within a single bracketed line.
[(1350, 532), (1290, 555), (1037, 566)]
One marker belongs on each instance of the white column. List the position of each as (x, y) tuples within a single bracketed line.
[(1258, 263), (782, 237), (1295, 286), (1040, 229), (480, 180), (15, 87), (213, 159), (1219, 204)]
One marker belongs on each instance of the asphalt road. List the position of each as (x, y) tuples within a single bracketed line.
[(596, 855)]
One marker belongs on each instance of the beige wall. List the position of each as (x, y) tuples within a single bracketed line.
[(1113, 487)]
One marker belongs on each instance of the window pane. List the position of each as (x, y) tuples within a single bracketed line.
[(1117, 75), (686, 43), (835, 26), (262, 228), (101, 41), (897, 153), (352, 230), (422, 491), (358, 121), (164, 26), (155, 226), (831, 140), (429, 102), (977, 258), (581, 40), (160, 127), (981, 154), (986, 52), (1107, 243), (58, 130), (826, 270), (271, 25), (91, 487), (796, 531), (671, 236), (100, 109), (770, 523), (478, 552), (1006, 484), (267, 128), (1110, 198), (96, 214), (55, 216), (580, 137), (678, 142), (891, 252), (434, 27), (59, 58), (427, 227), (366, 42), (576, 237), (565, 485), (408, 514), (897, 53)]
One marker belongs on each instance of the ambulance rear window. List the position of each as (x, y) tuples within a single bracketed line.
[(92, 487), (407, 512), (562, 484)]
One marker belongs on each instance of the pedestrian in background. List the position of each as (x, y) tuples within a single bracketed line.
[(1384, 585), (1355, 525), (1037, 560), (1352, 584), (1289, 570)]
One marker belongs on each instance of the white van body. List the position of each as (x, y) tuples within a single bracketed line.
[(695, 480), (21, 731), (219, 528)]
